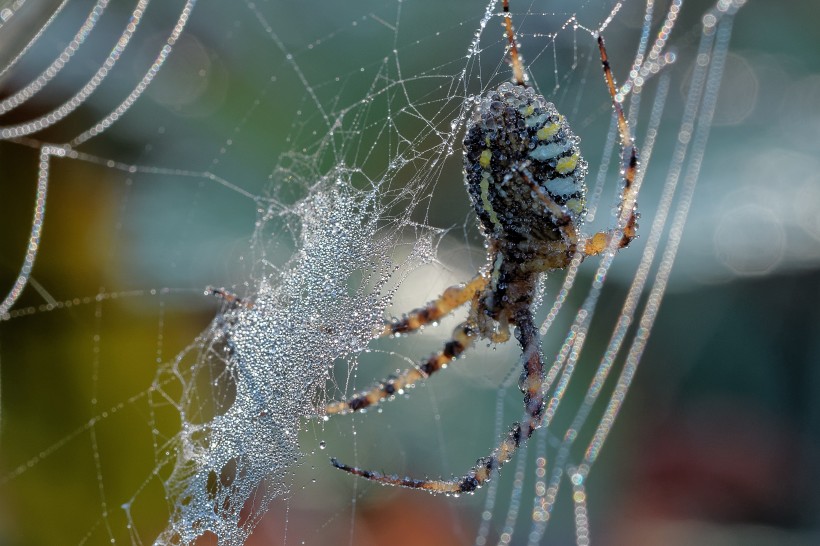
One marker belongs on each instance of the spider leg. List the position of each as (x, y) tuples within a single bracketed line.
[(481, 472), (519, 76), (453, 297), (592, 246), (228, 297), (463, 337), (600, 241)]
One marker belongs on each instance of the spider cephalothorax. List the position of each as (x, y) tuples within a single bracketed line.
[(525, 176)]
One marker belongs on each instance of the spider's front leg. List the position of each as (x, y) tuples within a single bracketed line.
[(229, 297), (601, 241), (463, 337), (452, 298), (480, 473)]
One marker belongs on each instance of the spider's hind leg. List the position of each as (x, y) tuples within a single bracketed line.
[(481, 472), (475, 478), (463, 337)]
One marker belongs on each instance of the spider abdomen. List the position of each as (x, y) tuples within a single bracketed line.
[(517, 145)]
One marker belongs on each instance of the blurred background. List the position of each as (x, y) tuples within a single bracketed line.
[(718, 440)]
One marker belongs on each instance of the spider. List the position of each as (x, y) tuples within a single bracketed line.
[(525, 176)]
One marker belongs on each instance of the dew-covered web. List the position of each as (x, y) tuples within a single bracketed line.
[(228, 200)]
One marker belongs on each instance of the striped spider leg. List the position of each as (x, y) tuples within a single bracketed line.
[(525, 176), (463, 337)]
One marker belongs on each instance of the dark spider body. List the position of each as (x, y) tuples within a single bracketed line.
[(521, 162), (518, 144)]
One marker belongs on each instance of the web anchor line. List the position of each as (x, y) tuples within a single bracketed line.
[(20, 131)]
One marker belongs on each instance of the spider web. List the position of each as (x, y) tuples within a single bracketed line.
[(305, 161)]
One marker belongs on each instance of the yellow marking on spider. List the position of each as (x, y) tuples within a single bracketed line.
[(575, 205), (485, 198), (528, 111), (567, 164), (484, 159), (547, 131)]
